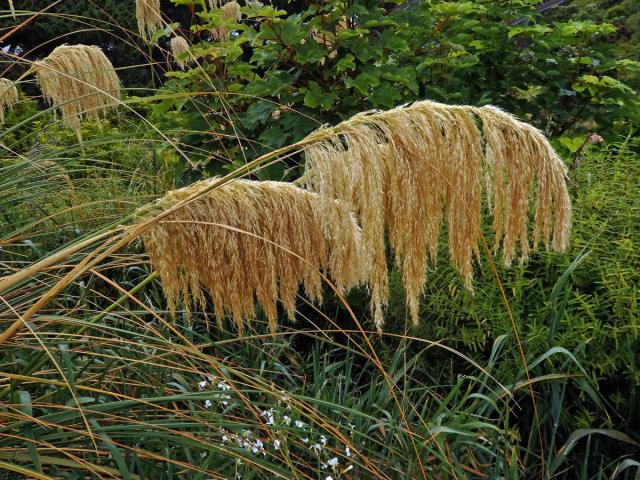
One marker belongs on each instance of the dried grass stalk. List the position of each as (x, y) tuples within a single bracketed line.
[(230, 12), (199, 248), (407, 171), (8, 96), (180, 51), (149, 18), (80, 81)]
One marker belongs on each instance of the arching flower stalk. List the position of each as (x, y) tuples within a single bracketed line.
[(180, 51), (407, 171), (149, 18), (250, 240), (78, 80), (8, 96), (230, 13)]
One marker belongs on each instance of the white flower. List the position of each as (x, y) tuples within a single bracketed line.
[(347, 451), (287, 420), (207, 403), (203, 384), (268, 414), (276, 444), (333, 462), (316, 446), (323, 439), (328, 477), (305, 440), (299, 424), (223, 386), (225, 438)]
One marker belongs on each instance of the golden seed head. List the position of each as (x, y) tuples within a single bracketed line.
[(230, 12), (149, 17), (180, 51), (248, 241), (8, 96), (78, 80), (408, 171)]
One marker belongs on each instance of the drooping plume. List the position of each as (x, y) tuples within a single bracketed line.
[(248, 241), (230, 12), (149, 17), (407, 171), (180, 51), (79, 81), (8, 96)]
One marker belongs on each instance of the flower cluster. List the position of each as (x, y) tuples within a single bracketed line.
[(281, 428)]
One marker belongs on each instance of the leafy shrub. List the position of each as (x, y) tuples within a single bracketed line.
[(281, 75)]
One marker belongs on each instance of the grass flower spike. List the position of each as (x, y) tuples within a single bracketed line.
[(80, 81), (408, 171), (250, 240), (149, 17), (8, 96), (180, 51), (230, 12)]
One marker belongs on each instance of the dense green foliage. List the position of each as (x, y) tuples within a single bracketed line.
[(104, 383), (281, 75)]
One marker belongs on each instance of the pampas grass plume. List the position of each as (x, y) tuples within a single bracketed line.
[(78, 80), (408, 171), (149, 18), (248, 241), (180, 51), (230, 12), (8, 96)]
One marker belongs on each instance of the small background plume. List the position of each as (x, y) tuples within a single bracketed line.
[(149, 17), (180, 51), (80, 81), (408, 171), (230, 12), (199, 249), (8, 96)]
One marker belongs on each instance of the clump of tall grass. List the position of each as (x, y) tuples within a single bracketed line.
[(149, 17), (80, 81), (250, 240), (8, 96), (180, 50), (408, 171)]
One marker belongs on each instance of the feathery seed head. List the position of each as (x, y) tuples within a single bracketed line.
[(180, 51), (8, 96), (248, 241), (79, 80), (149, 17), (406, 171), (230, 12)]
